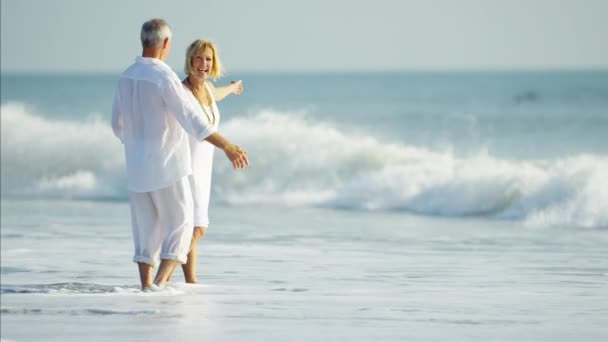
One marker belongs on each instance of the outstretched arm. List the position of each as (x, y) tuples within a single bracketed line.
[(236, 155), (193, 122), (185, 112), (219, 93)]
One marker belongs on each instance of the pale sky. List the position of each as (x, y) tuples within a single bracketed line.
[(311, 35)]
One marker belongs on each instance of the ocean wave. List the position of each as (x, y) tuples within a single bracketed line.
[(84, 312), (93, 289), (59, 159), (67, 288), (298, 161)]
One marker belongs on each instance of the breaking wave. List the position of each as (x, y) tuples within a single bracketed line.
[(296, 161)]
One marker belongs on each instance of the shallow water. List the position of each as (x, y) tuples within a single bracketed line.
[(302, 274), (378, 206)]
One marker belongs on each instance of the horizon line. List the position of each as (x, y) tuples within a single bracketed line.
[(332, 70)]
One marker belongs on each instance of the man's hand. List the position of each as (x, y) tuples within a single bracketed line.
[(237, 87), (237, 156)]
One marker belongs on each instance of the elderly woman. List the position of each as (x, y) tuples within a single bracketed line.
[(202, 62)]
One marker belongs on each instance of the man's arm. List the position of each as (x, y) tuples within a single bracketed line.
[(186, 114), (195, 124), (236, 155), (117, 119)]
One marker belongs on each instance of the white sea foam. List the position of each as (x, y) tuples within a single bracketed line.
[(54, 158), (299, 162), (82, 312), (69, 289)]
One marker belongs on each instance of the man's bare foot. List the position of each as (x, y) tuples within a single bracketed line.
[(153, 288)]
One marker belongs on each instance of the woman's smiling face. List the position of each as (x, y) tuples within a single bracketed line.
[(202, 63)]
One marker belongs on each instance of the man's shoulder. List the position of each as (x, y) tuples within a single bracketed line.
[(167, 74), (161, 74), (144, 69)]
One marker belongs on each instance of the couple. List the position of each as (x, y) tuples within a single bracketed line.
[(168, 128)]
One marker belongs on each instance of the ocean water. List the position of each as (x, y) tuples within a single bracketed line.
[(391, 206)]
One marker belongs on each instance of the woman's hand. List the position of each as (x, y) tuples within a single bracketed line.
[(237, 156), (237, 87)]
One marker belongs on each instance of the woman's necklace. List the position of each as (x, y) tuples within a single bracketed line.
[(211, 117)]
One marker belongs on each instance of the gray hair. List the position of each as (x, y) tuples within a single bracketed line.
[(154, 32)]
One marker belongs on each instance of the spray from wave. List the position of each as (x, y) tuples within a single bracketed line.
[(59, 159), (296, 161)]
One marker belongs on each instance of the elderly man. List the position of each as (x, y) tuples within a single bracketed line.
[(151, 115)]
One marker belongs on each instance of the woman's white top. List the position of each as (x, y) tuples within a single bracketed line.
[(202, 169), (202, 151)]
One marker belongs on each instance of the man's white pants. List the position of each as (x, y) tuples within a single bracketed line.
[(162, 223)]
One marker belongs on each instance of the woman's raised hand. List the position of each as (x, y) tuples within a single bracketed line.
[(237, 87)]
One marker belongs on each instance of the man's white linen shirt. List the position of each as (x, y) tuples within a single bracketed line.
[(150, 108)]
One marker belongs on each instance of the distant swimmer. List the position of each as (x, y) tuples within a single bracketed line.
[(528, 96)]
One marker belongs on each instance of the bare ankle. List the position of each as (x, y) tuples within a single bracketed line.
[(191, 281)]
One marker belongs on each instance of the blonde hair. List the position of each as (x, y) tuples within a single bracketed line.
[(199, 46)]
